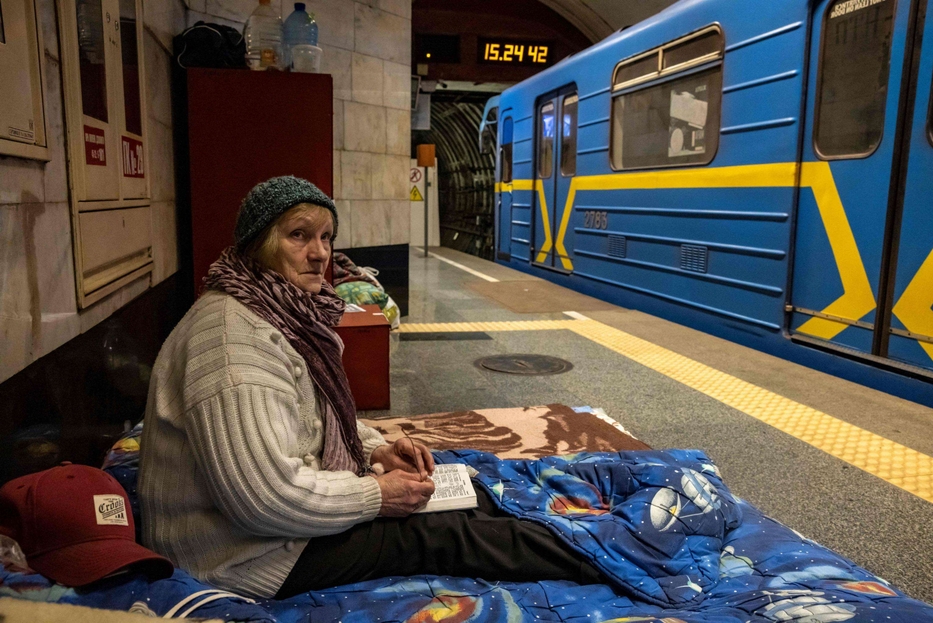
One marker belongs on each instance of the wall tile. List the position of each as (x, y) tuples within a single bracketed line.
[(344, 238), (334, 20), (402, 8), (338, 128), (356, 175), (398, 132), (48, 23), (367, 79), (18, 286), (55, 176), (338, 190), (399, 222), (397, 86), (390, 177), (161, 162), (158, 79), (236, 10), (370, 222), (164, 241), (364, 128), (382, 34), (166, 18), (55, 268), (338, 63), (193, 17), (21, 181)]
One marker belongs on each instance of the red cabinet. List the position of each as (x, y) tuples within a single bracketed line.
[(245, 127), (365, 337)]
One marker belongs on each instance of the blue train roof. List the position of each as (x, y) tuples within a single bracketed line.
[(740, 19)]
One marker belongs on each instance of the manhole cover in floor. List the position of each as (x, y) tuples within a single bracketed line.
[(524, 364)]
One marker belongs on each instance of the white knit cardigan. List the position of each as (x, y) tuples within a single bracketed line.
[(230, 483)]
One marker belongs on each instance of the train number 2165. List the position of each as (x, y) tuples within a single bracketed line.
[(595, 220)]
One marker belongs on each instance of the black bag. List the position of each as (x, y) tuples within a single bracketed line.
[(210, 45)]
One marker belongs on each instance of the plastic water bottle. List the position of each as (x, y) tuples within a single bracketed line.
[(300, 29), (263, 34)]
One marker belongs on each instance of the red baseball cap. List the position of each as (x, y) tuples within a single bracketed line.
[(75, 526)]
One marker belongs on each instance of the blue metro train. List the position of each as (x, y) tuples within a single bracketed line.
[(759, 170)]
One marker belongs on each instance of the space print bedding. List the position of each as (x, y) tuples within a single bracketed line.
[(673, 544)]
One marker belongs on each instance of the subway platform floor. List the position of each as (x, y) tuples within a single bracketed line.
[(846, 466)]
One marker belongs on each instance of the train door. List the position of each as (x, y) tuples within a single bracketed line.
[(555, 167), (850, 171), (910, 334), (504, 196)]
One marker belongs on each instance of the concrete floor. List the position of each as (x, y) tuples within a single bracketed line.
[(878, 525)]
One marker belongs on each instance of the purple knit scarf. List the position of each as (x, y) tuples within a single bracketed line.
[(305, 320)]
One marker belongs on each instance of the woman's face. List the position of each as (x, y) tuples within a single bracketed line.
[(304, 248)]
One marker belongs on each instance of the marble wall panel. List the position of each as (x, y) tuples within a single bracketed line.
[(364, 128), (158, 78), (402, 8), (338, 129), (338, 63), (382, 34), (399, 222), (161, 162), (344, 239), (370, 222), (164, 240), (196, 5), (21, 181), (367, 79), (335, 22), (397, 81), (18, 286), (392, 177), (166, 18), (356, 175), (55, 174), (398, 132), (193, 17), (55, 270), (236, 10)]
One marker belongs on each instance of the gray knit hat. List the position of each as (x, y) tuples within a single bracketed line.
[(270, 199)]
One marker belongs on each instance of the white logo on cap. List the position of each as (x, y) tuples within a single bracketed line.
[(110, 510)]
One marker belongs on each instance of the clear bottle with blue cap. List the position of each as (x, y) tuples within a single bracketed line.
[(300, 30)]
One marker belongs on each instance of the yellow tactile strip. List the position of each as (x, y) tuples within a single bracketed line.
[(897, 464)]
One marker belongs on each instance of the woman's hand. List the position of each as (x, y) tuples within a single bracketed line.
[(407, 455), (403, 493)]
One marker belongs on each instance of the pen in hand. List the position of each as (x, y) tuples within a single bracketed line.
[(419, 461)]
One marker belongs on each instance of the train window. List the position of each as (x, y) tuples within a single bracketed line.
[(853, 83), (505, 152), (669, 124), (637, 70), (701, 48), (546, 140), (568, 137)]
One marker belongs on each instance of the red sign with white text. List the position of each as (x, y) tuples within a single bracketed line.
[(133, 158), (94, 150)]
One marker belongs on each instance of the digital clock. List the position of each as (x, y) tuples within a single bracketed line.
[(512, 52)]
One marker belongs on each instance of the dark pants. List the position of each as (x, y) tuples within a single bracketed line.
[(480, 543)]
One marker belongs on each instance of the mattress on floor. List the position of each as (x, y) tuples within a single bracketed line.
[(673, 543)]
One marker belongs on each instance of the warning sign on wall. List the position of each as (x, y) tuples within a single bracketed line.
[(415, 194)]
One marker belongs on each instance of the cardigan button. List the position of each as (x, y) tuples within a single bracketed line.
[(289, 545), (317, 424), (276, 337), (297, 372)]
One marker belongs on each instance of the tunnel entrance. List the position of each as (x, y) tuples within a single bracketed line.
[(463, 53), (465, 177)]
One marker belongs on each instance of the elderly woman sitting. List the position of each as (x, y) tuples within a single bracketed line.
[(256, 475)]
